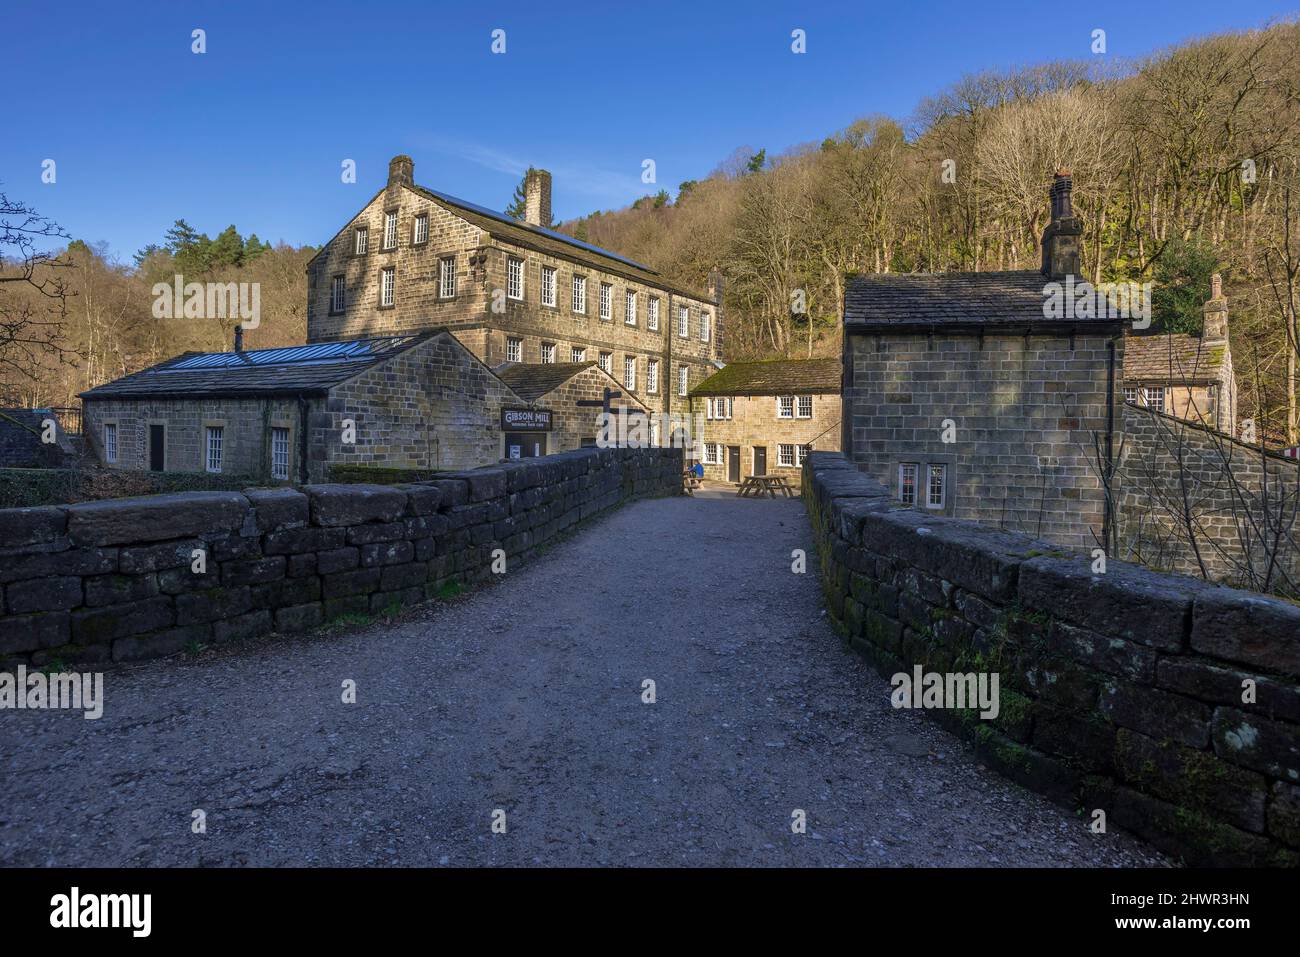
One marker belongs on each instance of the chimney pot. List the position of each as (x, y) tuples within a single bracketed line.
[(239, 338), (537, 198), (401, 171)]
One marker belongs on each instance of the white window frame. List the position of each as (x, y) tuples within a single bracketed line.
[(704, 326), (606, 362), (514, 349), (713, 454), (629, 373), (799, 403), (719, 408), (606, 301), (781, 457), (684, 322), (514, 278), (110, 442), (550, 279), (579, 295), (1157, 392), (784, 411), (447, 277), (361, 242), (214, 440), (930, 471), (629, 307), (547, 352), (338, 294), (280, 452), (1131, 395), (652, 376), (800, 453), (577, 354), (420, 229), (652, 314), (683, 380), (388, 286), (904, 470), (390, 231)]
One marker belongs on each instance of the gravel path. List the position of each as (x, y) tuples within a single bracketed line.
[(525, 696)]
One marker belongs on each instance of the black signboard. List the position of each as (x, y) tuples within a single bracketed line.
[(525, 420)]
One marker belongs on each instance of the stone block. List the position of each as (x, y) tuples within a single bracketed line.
[(1126, 602), (1255, 742), (1157, 714), (45, 594), (1247, 628), (346, 505), (277, 508), (155, 518)]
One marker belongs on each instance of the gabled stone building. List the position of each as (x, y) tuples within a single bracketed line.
[(1190, 377), (763, 417), (416, 401), (415, 258), (964, 399), (560, 387)]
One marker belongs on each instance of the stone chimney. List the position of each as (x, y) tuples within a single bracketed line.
[(537, 198), (715, 287), (401, 171), (1214, 314), (1063, 237)]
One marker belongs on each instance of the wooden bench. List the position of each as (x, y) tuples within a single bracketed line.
[(760, 485)]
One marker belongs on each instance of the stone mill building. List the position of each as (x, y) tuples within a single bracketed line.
[(440, 335)]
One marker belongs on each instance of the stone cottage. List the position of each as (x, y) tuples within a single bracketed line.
[(1190, 377), (415, 258), (763, 417), (965, 399), (420, 400)]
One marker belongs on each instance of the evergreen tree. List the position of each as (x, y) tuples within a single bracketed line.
[(1182, 284), (519, 202), (143, 254), (227, 249)]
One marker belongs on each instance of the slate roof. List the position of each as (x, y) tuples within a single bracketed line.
[(309, 369), (552, 242), (917, 301), (1174, 357), (532, 380), (774, 377)]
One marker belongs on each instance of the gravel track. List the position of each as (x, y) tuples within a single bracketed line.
[(525, 696)]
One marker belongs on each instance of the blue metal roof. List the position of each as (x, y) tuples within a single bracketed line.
[(290, 355)]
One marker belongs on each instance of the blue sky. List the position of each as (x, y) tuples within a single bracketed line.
[(253, 131)]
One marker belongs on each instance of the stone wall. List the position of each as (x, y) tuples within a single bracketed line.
[(1242, 505), (573, 424), (246, 432), (20, 441), (1024, 412), (754, 423), (432, 406), (1120, 691), (115, 581), (481, 268)]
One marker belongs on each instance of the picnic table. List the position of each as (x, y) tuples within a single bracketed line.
[(690, 481), (759, 485)]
